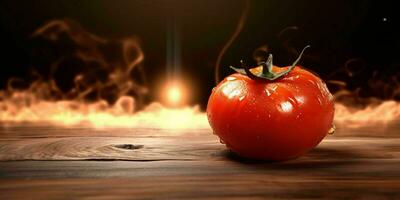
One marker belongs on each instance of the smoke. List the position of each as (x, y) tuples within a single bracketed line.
[(69, 63), (79, 78), (357, 83), (364, 96)]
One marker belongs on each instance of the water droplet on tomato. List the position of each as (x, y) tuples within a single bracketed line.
[(319, 101), (300, 99), (294, 77), (234, 89), (292, 101), (332, 129), (274, 88), (268, 92), (286, 106), (230, 78), (270, 89)]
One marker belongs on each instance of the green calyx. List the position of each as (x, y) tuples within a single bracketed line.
[(266, 73)]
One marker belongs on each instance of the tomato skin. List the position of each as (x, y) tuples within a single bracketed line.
[(271, 120)]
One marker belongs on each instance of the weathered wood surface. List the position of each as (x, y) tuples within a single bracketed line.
[(44, 162), (177, 148)]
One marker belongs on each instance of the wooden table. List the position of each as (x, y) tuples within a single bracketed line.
[(48, 162)]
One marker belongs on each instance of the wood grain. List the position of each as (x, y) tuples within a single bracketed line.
[(175, 148), (236, 186), (110, 148), (45, 162), (227, 179)]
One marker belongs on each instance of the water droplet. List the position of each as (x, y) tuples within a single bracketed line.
[(292, 101), (300, 99), (319, 101), (286, 106), (292, 78), (267, 91), (233, 89), (332, 129), (230, 78), (221, 141)]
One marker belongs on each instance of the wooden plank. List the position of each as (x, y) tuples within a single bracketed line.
[(345, 168), (174, 148), (199, 180), (39, 130), (110, 148), (188, 164), (216, 187)]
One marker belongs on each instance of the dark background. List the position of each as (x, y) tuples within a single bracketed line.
[(355, 42)]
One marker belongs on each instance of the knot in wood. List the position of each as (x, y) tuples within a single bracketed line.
[(128, 146)]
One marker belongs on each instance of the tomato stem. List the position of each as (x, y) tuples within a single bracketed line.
[(267, 73), (267, 67)]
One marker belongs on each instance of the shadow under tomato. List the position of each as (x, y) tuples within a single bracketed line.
[(316, 158)]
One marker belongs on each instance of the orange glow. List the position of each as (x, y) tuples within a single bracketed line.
[(101, 114), (26, 107), (174, 95), (122, 114), (382, 113), (32, 105)]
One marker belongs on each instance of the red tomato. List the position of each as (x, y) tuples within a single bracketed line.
[(271, 119)]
